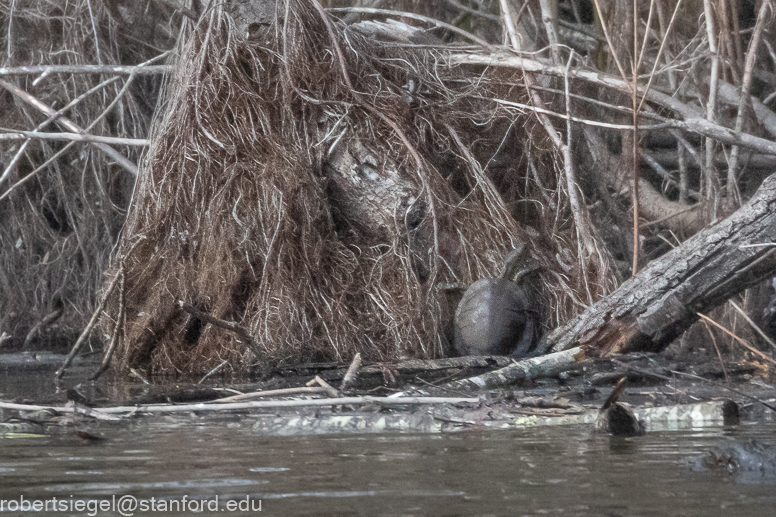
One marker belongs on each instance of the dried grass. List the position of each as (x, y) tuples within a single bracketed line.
[(57, 232), (231, 213)]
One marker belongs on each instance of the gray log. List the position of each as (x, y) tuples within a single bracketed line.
[(648, 311)]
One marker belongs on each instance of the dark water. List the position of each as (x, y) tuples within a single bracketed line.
[(542, 471)]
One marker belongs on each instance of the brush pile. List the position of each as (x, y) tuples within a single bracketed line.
[(320, 183), (263, 199)]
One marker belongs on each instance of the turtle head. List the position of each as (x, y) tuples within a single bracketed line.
[(520, 263)]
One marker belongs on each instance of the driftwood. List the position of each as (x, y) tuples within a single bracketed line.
[(261, 404), (648, 311), (527, 369)]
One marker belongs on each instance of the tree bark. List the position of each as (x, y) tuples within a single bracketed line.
[(647, 312)]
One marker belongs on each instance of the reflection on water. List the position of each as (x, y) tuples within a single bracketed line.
[(555, 471)]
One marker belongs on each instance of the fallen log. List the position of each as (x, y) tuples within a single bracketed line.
[(527, 369), (648, 311)]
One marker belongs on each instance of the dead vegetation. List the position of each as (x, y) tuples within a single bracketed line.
[(62, 204), (239, 213), (318, 184)]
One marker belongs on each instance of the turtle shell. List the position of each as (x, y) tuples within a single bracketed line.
[(495, 317)]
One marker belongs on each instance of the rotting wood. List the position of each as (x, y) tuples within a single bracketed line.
[(648, 311)]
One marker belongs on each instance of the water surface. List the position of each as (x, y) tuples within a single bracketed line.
[(540, 471)]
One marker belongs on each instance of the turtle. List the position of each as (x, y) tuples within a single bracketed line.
[(501, 316)]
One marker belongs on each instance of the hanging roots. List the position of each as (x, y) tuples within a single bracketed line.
[(240, 213)]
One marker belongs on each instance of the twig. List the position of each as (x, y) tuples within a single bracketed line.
[(216, 322), (86, 69), (68, 124), (635, 163), (550, 19), (117, 329), (352, 373), (719, 355), (527, 369), (609, 42), (120, 160), (746, 84), (211, 372), (669, 216), (692, 122), (137, 375), (711, 103), (303, 390), (82, 338), (581, 216), (17, 156), (663, 41), (666, 124), (47, 320), (328, 387), (487, 186), (18, 134), (412, 16), (729, 94), (92, 413), (744, 343), (460, 6), (259, 404), (753, 324)]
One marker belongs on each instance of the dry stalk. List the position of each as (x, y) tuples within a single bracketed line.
[(65, 122), (92, 322), (734, 196), (118, 330), (741, 341), (753, 324), (45, 70), (711, 103), (719, 355)]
